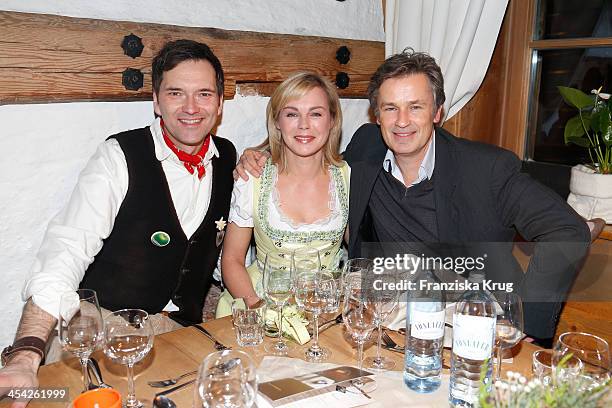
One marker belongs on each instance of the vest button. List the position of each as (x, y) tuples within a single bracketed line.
[(184, 271), (193, 242), (176, 298)]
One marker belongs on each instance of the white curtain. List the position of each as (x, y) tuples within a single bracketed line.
[(459, 34)]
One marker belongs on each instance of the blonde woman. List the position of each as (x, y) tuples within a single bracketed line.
[(301, 198)]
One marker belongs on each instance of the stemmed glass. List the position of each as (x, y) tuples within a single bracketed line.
[(357, 265), (582, 354), (278, 287), (314, 290), (226, 379), (509, 325), (80, 326), (385, 302), (358, 314), (129, 338)]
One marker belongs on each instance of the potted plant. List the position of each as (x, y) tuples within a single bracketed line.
[(591, 183)]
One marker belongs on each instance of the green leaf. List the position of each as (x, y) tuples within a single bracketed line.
[(600, 119), (573, 130), (580, 141), (575, 97)]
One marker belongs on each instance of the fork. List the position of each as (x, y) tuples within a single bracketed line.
[(390, 344), (218, 345), (170, 381)]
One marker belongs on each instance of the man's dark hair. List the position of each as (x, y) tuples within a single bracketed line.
[(406, 63), (175, 52)]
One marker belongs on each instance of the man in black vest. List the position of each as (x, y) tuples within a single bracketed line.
[(145, 223), (413, 182)]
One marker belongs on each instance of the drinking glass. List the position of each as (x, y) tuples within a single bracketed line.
[(509, 325), (358, 314), (313, 291), (226, 379), (582, 354), (80, 326), (278, 287), (129, 338), (385, 302), (542, 366), (249, 322)]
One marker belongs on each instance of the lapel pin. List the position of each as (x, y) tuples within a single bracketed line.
[(160, 239)]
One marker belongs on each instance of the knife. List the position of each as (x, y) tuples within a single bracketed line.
[(176, 388)]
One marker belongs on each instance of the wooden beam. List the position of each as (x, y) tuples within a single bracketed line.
[(46, 58)]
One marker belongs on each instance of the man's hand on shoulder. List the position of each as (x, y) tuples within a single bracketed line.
[(20, 372), (251, 161)]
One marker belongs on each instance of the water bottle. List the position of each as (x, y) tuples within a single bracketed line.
[(424, 334), (473, 338)]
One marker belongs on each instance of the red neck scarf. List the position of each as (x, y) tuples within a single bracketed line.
[(191, 162)]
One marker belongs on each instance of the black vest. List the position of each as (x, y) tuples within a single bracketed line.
[(130, 271)]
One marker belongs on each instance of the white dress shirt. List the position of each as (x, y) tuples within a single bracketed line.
[(76, 234), (426, 168)]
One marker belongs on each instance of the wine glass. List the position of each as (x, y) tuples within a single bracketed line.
[(314, 290), (277, 284), (357, 265), (129, 338), (509, 324), (358, 314), (80, 326), (581, 354), (226, 379), (385, 302)]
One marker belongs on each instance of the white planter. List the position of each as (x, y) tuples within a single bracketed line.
[(591, 193)]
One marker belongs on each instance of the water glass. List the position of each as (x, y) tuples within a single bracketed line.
[(129, 338), (80, 326), (249, 322), (226, 379), (509, 324), (358, 314), (542, 366), (581, 354), (277, 282)]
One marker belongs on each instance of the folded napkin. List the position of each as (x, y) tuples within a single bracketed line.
[(294, 323)]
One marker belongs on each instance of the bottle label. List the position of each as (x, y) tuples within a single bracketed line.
[(426, 325), (473, 336)]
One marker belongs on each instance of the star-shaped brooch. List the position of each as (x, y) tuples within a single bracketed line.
[(221, 224), (220, 231)]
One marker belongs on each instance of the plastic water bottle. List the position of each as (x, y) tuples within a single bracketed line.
[(473, 337), (424, 334)]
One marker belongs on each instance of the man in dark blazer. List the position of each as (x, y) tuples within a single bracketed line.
[(412, 181)]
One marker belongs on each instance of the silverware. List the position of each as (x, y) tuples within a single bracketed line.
[(169, 381), (390, 344), (218, 345), (327, 325), (171, 390), (94, 368)]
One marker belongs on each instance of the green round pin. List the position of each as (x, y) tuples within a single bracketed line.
[(160, 238)]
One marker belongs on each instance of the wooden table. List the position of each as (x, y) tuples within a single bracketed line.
[(180, 351)]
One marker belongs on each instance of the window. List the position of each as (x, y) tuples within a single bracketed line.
[(571, 46)]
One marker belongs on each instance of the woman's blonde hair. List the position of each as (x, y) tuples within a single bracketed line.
[(296, 86)]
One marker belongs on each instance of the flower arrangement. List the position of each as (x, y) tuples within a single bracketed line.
[(517, 392), (592, 127)]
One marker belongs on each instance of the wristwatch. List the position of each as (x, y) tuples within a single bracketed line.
[(29, 343)]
